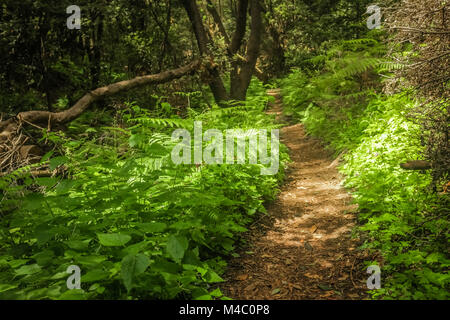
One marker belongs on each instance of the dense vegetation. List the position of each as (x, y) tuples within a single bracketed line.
[(127, 209), (399, 213), (87, 179)]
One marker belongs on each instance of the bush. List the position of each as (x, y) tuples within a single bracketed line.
[(400, 216), (138, 226)]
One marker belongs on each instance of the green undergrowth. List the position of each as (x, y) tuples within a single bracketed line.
[(400, 217), (138, 226)]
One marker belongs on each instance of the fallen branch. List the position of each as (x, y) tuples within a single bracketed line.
[(416, 165), (416, 30), (51, 118), (13, 151)]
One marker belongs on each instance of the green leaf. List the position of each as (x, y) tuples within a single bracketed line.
[(28, 269), (59, 275), (5, 287), (78, 244), (33, 201), (43, 235), (113, 239), (176, 247), (76, 294), (152, 227), (46, 182), (136, 140), (44, 257), (132, 266), (204, 297), (90, 260), (324, 287), (95, 275), (212, 277), (46, 156), (216, 293), (275, 291), (56, 162), (135, 248), (65, 186), (17, 263)]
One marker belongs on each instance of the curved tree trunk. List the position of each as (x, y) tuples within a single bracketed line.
[(417, 165), (47, 118), (241, 80), (242, 67), (215, 81)]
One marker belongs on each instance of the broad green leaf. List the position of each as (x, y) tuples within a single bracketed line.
[(135, 248), (89, 260), (216, 293), (136, 140), (132, 266), (212, 277), (46, 182), (46, 156), (57, 161), (75, 294), (33, 201), (152, 227), (113, 239), (95, 275), (176, 247), (65, 186), (28, 269), (44, 257), (204, 297), (59, 275), (5, 287), (78, 244), (17, 263)]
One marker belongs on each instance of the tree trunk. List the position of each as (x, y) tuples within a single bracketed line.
[(241, 79), (417, 165), (218, 21), (215, 81), (242, 68), (241, 25), (46, 118)]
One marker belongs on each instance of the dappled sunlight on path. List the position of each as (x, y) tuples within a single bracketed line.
[(303, 248)]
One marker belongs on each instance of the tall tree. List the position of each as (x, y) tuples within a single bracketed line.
[(242, 67)]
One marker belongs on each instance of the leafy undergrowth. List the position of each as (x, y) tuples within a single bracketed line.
[(400, 216), (138, 226)]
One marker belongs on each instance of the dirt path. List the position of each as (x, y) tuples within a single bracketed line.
[(303, 248)]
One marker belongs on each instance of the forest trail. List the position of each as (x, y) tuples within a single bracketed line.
[(302, 249)]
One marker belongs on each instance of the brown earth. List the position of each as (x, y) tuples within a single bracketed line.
[(302, 249)]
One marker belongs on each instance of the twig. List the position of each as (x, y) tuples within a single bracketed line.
[(351, 273)]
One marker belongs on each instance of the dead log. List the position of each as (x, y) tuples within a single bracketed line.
[(417, 165), (12, 145), (47, 119)]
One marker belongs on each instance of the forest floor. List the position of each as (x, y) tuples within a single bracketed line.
[(302, 249)]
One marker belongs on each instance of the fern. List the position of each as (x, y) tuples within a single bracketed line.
[(389, 66), (357, 66), (361, 41), (172, 123)]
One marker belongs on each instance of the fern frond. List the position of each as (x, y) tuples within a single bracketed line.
[(390, 66), (361, 41), (357, 66), (317, 59), (172, 123)]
